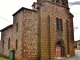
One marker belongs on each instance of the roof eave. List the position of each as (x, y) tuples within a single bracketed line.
[(6, 28), (23, 8)]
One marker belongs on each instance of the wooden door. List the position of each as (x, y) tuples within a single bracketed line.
[(12, 55), (58, 51)]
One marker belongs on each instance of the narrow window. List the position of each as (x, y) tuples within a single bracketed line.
[(61, 25), (49, 19), (17, 27), (9, 43), (16, 44), (3, 44), (67, 23), (57, 23)]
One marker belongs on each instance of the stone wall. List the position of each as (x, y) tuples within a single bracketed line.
[(49, 32), (17, 34), (5, 36), (37, 34), (30, 35), (12, 34)]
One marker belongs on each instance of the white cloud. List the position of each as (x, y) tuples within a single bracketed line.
[(75, 9), (73, 0), (8, 7)]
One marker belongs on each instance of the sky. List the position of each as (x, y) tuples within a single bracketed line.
[(9, 7)]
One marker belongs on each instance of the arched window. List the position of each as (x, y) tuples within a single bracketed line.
[(57, 0), (59, 24), (63, 1), (16, 27), (9, 43), (16, 44), (52, 0), (3, 44)]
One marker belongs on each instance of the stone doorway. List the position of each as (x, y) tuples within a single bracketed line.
[(59, 49)]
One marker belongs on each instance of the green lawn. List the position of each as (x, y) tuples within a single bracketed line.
[(1, 58)]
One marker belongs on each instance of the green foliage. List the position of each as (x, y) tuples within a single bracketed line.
[(1, 58)]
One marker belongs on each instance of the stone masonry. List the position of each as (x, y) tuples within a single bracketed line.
[(34, 34)]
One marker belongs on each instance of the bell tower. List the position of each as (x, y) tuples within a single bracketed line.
[(61, 2), (58, 2), (40, 1)]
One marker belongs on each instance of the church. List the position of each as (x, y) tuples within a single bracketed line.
[(41, 33)]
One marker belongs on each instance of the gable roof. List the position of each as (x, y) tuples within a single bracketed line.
[(6, 27), (23, 8)]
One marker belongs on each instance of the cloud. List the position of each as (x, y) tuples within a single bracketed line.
[(75, 28), (75, 10), (74, 3)]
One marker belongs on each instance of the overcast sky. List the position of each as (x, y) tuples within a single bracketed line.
[(9, 7)]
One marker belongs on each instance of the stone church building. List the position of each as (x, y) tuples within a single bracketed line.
[(41, 33)]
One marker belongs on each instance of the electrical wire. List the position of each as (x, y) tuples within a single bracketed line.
[(5, 19)]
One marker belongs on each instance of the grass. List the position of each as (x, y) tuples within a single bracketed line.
[(1, 58)]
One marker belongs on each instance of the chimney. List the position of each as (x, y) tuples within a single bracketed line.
[(36, 6)]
